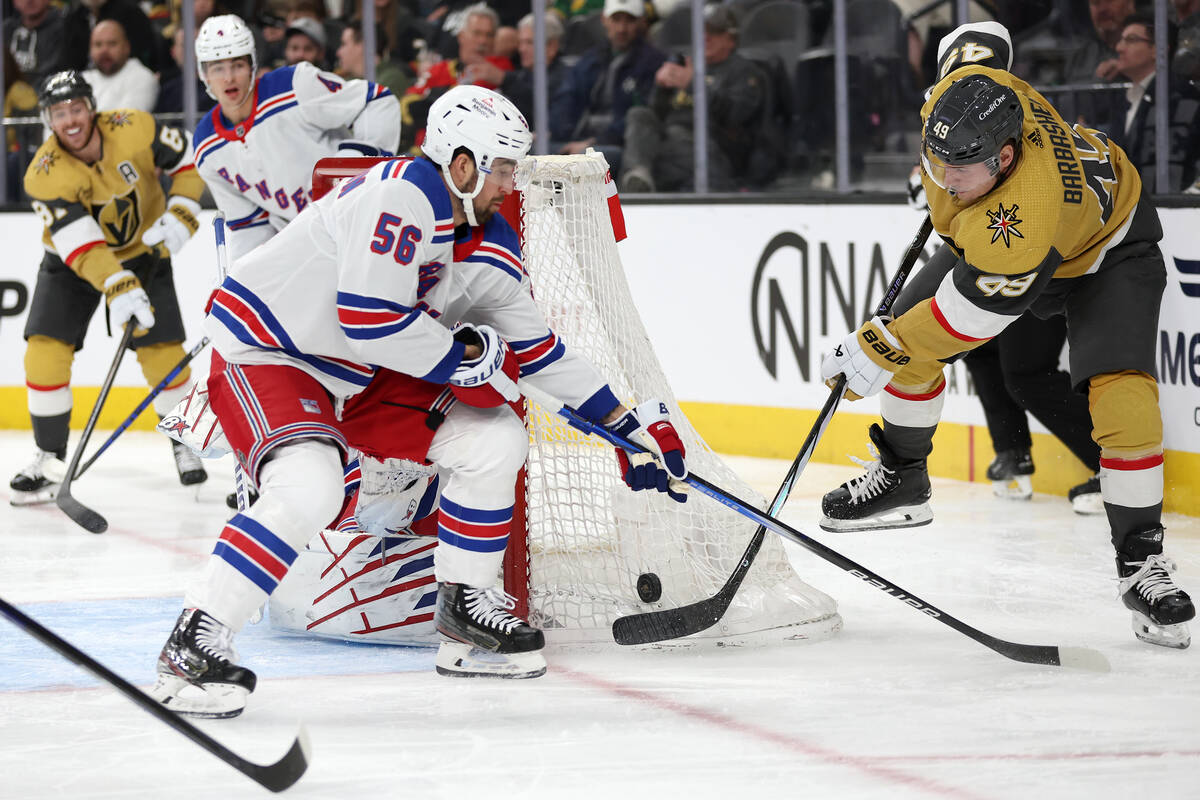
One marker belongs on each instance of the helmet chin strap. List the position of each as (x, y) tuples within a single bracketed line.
[(467, 199)]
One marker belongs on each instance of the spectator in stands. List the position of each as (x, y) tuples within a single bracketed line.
[(82, 18), (589, 110), (476, 64), (1095, 59), (170, 91), (507, 42), (117, 80), (449, 17), (1133, 125), (20, 100), (305, 41), (659, 138), (1185, 65), (577, 8), (517, 84), (35, 37), (352, 59)]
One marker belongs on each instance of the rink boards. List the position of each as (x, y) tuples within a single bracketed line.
[(741, 302)]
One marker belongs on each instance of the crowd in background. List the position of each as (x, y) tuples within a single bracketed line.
[(620, 73)]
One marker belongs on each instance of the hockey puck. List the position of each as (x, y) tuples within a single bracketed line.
[(649, 587)]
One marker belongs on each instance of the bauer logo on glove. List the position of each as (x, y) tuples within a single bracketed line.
[(868, 358)]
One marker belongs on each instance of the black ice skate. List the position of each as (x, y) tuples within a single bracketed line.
[(196, 673), (1009, 473), (483, 639), (231, 499), (892, 494), (1160, 608), (1086, 497), (38, 482), (191, 471)]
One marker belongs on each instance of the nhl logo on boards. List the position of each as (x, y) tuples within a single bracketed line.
[(1003, 222)]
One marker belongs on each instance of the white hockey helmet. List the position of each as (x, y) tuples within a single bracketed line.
[(221, 37), (485, 123)]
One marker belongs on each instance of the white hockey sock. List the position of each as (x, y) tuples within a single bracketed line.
[(300, 493)]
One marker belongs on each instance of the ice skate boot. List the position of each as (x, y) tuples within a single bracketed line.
[(1086, 497), (187, 463), (231, 499), (482, 638), (1160, 608), (196, 673), (893, 493), (38, 482), (1009, 473)]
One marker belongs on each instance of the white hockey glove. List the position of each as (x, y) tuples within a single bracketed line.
[(491, 379), (916, 191), (353, 148), (127, 300), (389, 493), (663, 468), (868, 358), (193, 423), (176, 226)]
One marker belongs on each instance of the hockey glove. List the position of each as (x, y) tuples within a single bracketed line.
[(176, 226), (868, 358), (663, 468), (491, 379), (127, 300), (194, 423), (352, 148)]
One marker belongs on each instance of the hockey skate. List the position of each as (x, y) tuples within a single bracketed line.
[(196, 673), (1160, 608), (482, 638), (187, 463), (1086, 497), (893, 493), (38, 482), (1009, 473)]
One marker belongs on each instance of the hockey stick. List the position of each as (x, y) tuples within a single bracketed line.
[(1079, 657), (673, 623), (240, 489), (183, 362), (276, 777), (85, 517)]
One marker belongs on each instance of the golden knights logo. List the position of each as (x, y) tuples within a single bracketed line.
[(118, 119), (46, 162), (120, 219), (1003, 222)]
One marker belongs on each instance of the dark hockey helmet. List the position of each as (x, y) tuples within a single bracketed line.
[(61, 87), (969, 124)]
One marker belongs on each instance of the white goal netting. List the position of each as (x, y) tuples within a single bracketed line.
[(589, 537)]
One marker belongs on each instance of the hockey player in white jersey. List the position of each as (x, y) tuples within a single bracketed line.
[(257, 148), (404, 277)]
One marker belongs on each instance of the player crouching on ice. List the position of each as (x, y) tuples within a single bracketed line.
[(404, 283), (1043, 217)]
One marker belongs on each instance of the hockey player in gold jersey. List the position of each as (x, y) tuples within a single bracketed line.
[(1042, 216), (109, 232)]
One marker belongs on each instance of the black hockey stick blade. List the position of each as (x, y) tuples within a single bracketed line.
[(83, 516), (675, 623), (276, 777)]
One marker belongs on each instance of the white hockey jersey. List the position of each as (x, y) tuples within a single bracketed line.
[(260, 171), (371, 276)]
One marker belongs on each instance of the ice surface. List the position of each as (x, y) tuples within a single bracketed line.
[(895, 706)]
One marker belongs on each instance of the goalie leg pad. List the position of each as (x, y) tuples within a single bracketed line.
[(391, 493)]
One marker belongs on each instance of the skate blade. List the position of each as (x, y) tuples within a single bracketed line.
[(1174, 636), (459, 660), (899, 517), (1088, 504), (212, 701), (1019, 487), (35, 498)]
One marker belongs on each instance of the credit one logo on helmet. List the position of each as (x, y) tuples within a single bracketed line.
[(792, 294)]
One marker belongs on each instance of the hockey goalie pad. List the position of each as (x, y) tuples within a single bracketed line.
[(358, 587), (194, 424), (390, 493)]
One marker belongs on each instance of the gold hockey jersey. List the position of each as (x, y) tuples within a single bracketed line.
[(95, 214), (1071, 197)]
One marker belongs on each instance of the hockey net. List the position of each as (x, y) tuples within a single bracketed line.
[(589, 537)]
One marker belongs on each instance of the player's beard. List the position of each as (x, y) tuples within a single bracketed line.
[(484, 212)]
